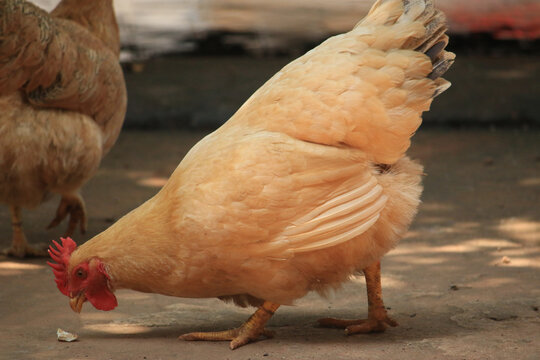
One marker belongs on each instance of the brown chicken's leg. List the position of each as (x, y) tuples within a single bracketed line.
[(72, 204), (250, 331), (378, 319), (19, 246)]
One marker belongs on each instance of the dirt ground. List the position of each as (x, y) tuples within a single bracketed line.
[(463, 284)]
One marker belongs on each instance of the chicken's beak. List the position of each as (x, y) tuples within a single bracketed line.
[(77, 302)]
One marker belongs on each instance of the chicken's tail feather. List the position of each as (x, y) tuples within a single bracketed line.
[(367, 88), (412, 36), (432, 41)]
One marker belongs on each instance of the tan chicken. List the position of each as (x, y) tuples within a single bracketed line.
[(62, 104), (305, 185)]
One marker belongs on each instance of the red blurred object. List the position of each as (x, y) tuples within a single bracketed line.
[(505, 21)]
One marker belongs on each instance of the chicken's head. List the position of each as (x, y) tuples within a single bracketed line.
[(87, 280)]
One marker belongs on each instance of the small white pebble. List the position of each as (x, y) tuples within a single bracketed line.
[(506, 260), (63, 335)]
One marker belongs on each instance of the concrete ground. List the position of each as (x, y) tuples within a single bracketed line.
[(463, 284)]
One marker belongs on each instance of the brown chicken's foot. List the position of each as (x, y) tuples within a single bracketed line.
[(72, 204), (378, 320), (250, 331), (25, 251), (19, 246)]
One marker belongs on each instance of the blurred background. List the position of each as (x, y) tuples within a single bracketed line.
[(192, 63)]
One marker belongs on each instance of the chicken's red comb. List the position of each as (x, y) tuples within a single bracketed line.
[(61, 255)]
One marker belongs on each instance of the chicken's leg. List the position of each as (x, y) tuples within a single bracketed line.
[(19, 246), (250, 331), (378, 319), (72, 204)]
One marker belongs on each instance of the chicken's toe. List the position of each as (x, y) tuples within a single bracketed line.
[(357, 326), (26, 251), (211, 336), (378, 319), (245, 337), (72, 205), (19, 245), (250, 331), (370, 326), (238, 337)]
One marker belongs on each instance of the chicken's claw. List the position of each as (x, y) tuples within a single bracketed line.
[(362, 326), (73, 205), (238, 337), (378, 319), (19, 246), (25, 250), (250, 331), (370, 326)]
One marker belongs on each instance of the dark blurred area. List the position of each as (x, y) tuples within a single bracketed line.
[(494, 82), (192, 63)]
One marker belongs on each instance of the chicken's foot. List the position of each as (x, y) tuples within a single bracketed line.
[(250, 331), (378, 320), (19, 246), (72, 204)]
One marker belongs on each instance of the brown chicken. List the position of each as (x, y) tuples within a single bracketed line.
[(62, 104), (305, 185)]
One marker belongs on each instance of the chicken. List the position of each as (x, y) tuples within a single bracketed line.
[(306, 184), (63, 101)]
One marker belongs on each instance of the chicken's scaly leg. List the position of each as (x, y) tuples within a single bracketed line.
[(378, 319), (19, 246), (72, 204), (250, 331)]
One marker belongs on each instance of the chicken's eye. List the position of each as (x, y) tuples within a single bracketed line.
[(81, 274)]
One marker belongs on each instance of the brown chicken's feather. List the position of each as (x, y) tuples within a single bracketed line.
[(58, 64), (35, 160), (99, 20), (62, 96)]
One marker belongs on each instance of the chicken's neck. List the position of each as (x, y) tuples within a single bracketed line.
[(136, 250), (96, 15)]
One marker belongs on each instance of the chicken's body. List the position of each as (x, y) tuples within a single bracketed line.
[(305, 185), (238, 206), (62, 101)]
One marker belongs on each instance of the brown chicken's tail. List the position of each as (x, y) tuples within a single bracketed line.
[(433, 40)]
